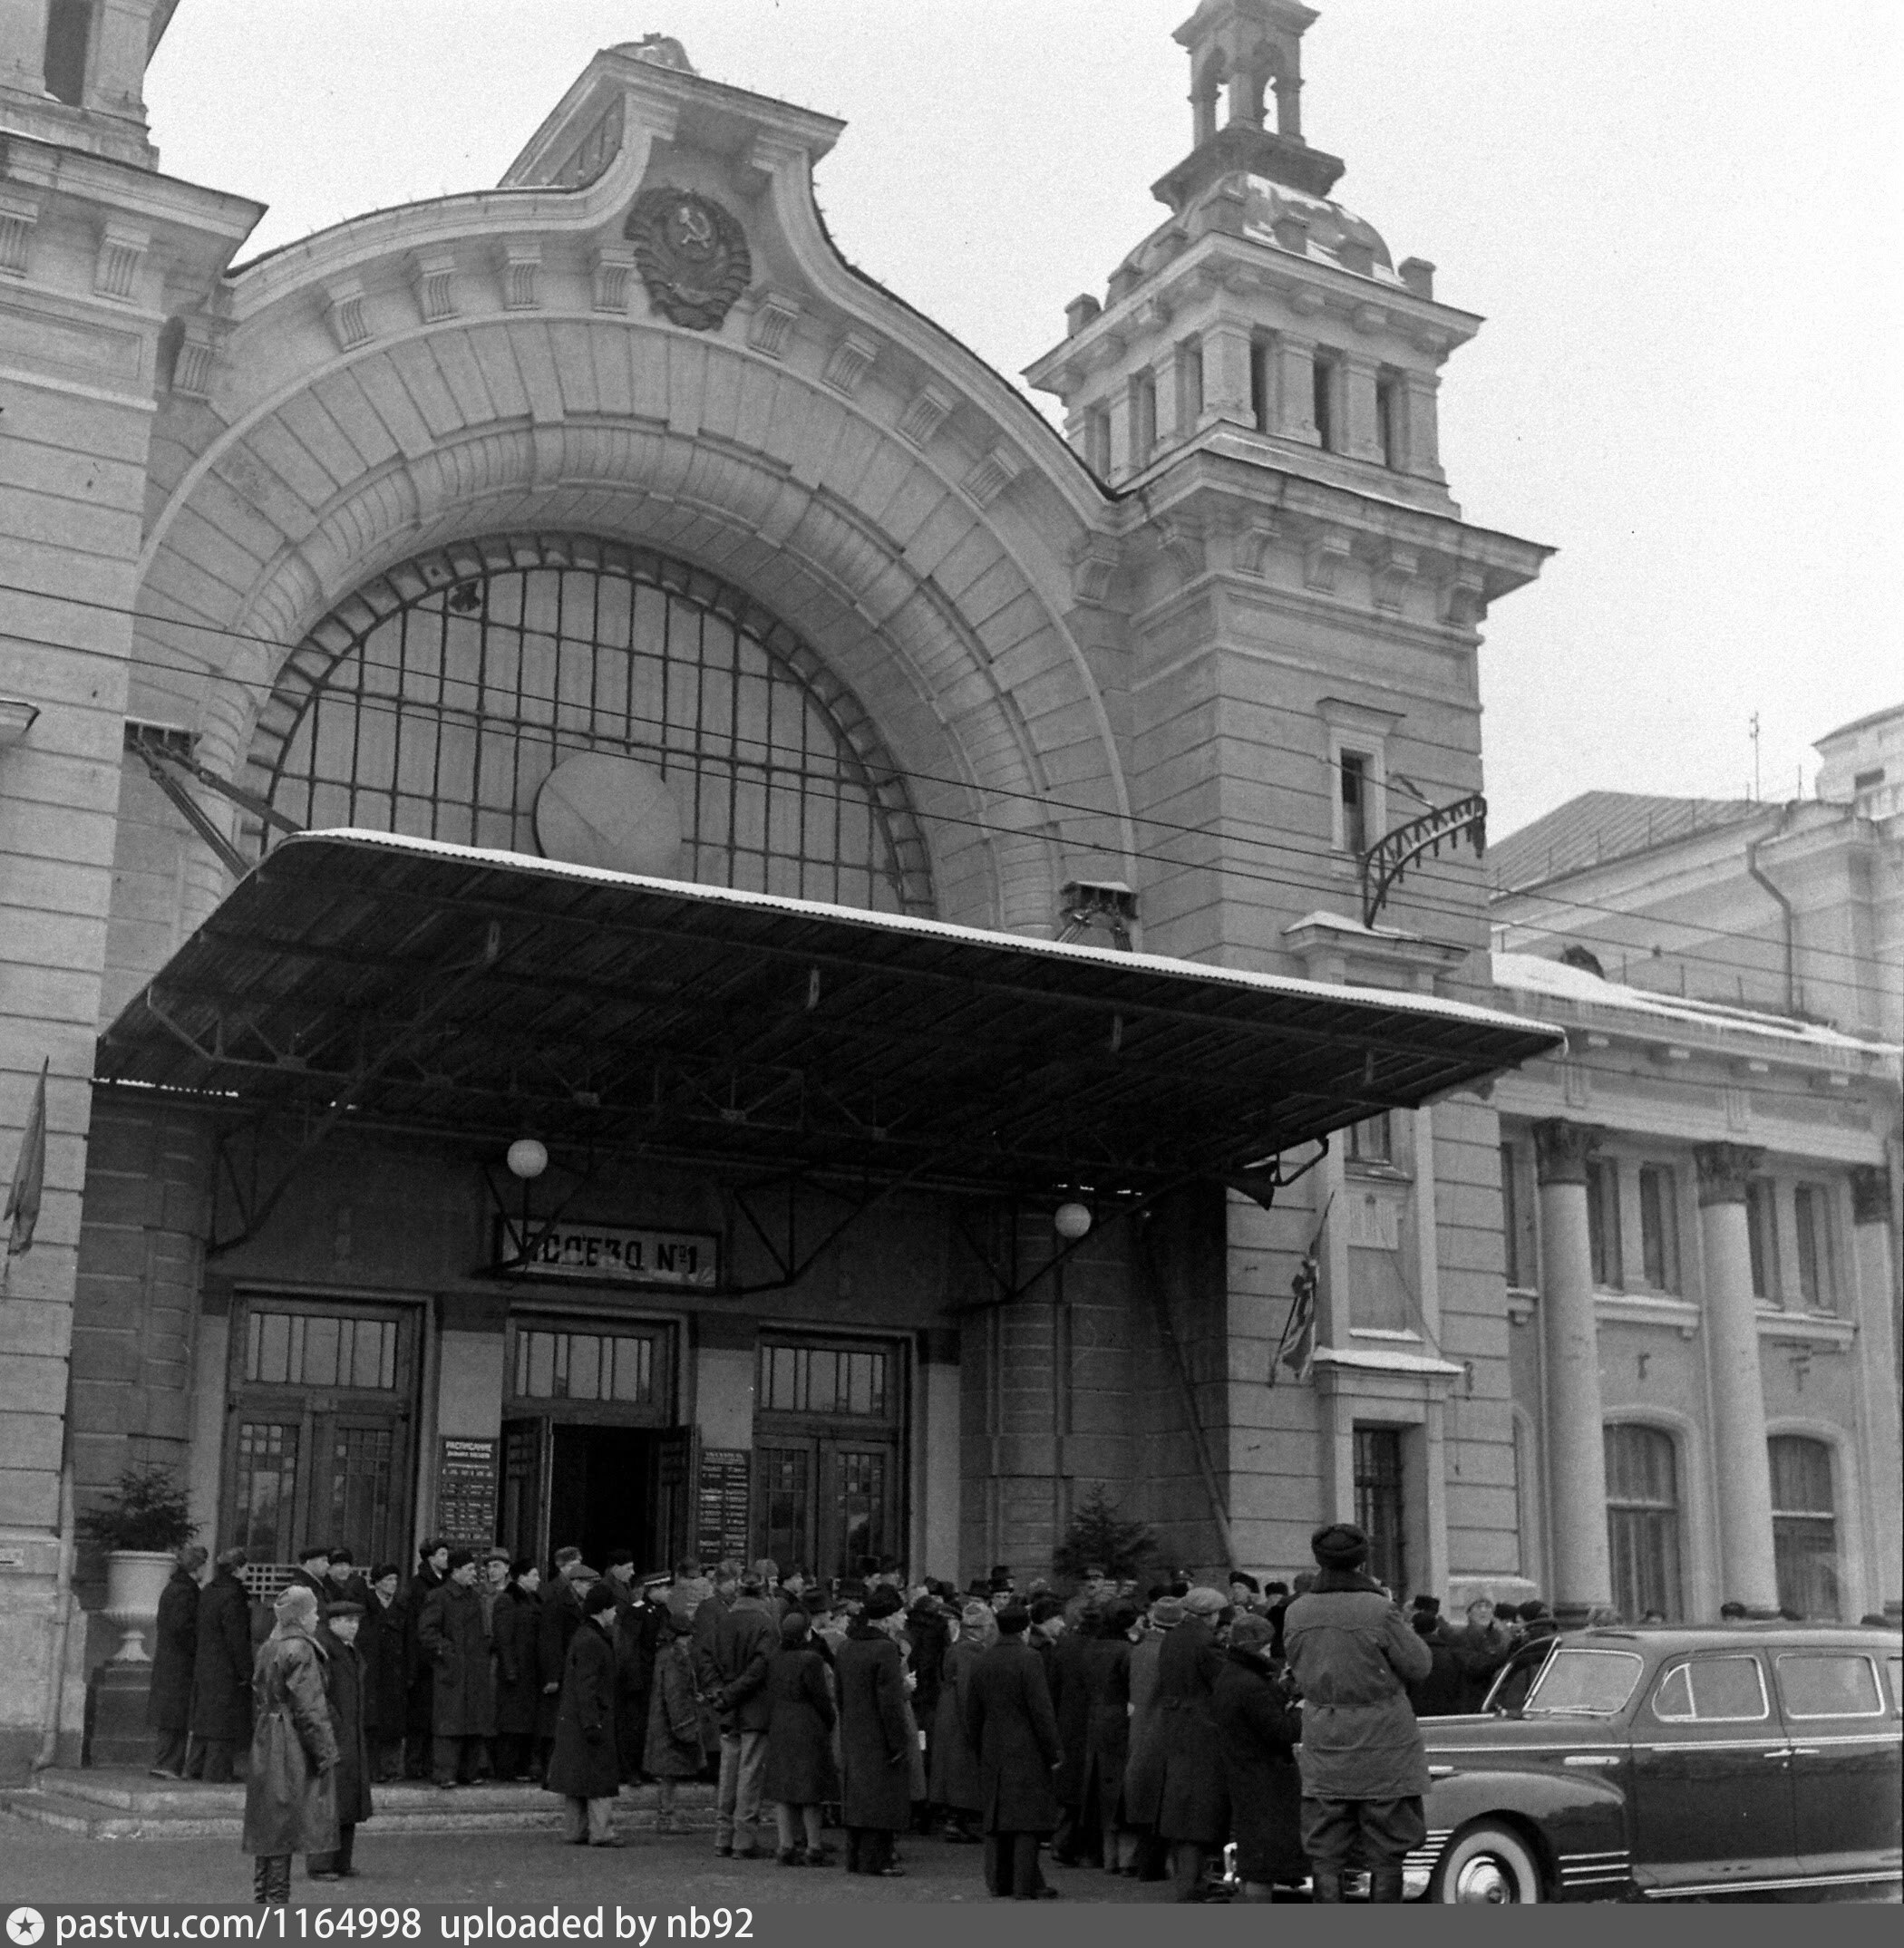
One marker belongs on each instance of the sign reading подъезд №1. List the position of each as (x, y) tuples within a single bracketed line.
[(631, 1255)]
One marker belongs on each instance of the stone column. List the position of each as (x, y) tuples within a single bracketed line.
[(1226, 373), (1362, 422), (1295, 407), (1576, 1441), (1424, 434), (1741, 1467)]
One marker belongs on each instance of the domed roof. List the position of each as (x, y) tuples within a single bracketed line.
[(1337, 236)]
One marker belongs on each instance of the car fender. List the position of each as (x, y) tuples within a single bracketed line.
[(1570, 1816)]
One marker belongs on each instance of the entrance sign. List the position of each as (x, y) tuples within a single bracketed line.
[(467, 1477), (629, 1254), (721, 1505)]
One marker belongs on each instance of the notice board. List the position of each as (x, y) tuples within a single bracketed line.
[(720, 1499), (467, 1476)]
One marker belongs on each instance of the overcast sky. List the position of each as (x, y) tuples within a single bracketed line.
[(1681, 218)]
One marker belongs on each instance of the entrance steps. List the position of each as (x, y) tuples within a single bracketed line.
[(120, 1803)]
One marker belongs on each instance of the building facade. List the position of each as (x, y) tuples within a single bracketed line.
[(607, 521), (1701, 1200)]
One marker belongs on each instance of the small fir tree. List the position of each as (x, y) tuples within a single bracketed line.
[(1098, 1534), (148, 1510)]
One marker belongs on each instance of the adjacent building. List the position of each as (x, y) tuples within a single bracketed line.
[(1701, 1198)]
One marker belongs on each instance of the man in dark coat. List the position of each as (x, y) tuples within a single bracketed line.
[(1364, 1765), (876, 1800), (1440, 1694), (380, 1651), (1256, 1731), (560, 1616), (433, 1567), (463, 1709), (175, 1648), (314, 1573), (1193, 1807), (1071, 1700), (1107, 1736), (635, 1661), (746, 1636), (343, 1582), (800, 1777), (290, 1804), (515, 1631), (344, 1692), (221, 1674), (1009, 1720), (583, 1766)]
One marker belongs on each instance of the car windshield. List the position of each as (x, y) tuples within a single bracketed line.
[(1581, 1683)]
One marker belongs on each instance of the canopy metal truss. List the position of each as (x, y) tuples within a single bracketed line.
[(361, 980)]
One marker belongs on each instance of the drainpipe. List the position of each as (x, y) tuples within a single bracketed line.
[(1785, 906), (54, 1707)]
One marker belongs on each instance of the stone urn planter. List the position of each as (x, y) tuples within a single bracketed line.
[(135, 1580)]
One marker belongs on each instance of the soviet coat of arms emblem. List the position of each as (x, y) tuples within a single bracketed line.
[(692, 255)]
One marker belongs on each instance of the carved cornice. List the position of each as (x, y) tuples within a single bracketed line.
[(1724, 1169), (1561, 1149)]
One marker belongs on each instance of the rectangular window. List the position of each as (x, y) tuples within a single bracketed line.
[(69, 29), (1097, 441), (824, 1379), (1762, 1237), (1643, 1520), (320, 1350), (1821, 1685), (1354, 767), (612, 1367), (1260, 391), (1190, 386), (1659, 1226), (1519, 1276), (1609, 1272), (1372, 1140), (1378, 1502), (1324, 370), (1811, 1208), (1144, 417), (1388, 423)]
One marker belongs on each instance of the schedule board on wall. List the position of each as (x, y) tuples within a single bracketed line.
[(467, 1476), (721, 1504)]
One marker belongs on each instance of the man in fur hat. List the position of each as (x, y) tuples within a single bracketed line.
[(1364, 1765)]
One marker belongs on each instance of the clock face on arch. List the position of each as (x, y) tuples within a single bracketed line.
[(597, 809)]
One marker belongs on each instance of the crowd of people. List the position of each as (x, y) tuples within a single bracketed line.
[(1141, 1734)]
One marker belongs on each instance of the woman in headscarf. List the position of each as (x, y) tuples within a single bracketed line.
[(956, 1783), (1194, 1806), (801, 1776), (1258, 1727), (290, 1801)]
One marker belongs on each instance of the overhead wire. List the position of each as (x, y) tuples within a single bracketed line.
[(1284, 842)]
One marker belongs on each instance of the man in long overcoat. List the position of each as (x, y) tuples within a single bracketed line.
[(1364, 1765), (515, 1634), (221, 1674), (800, 1777), (956, 1784), (343, 1692), (1008, 1717), (1071, 1700), (290, 1804), (1258, 1727), (557, 1623), (380, 1651), (583, 1766), (746, 1637), (876, 1800), (168, 1706), (1107, 1737), (1194, 1806), (463, 1709), (433, 1567), (1143, 1769)]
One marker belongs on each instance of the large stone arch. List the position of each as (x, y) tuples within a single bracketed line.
[(944, 617)]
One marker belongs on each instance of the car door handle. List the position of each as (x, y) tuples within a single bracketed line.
[(1804, 1751), (1441, 1771), (1591, 1759)]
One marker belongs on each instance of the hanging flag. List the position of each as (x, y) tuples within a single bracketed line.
[(23, 1200), (1296, 1348)]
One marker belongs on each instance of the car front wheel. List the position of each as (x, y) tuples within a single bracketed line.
[(1486, 1865)]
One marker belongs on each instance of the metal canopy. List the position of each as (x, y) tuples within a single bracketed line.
[(360, 979)]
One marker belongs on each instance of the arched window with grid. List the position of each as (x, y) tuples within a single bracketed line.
[(717, 745)]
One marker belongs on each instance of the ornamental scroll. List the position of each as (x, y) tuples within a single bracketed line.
[(692, 255)]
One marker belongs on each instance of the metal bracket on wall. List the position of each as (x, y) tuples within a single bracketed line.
[(168, 753), (1389, 857)]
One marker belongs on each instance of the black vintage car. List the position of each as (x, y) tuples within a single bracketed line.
[(1671, 1762)]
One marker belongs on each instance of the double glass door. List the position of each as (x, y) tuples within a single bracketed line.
[(318, 1431)]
